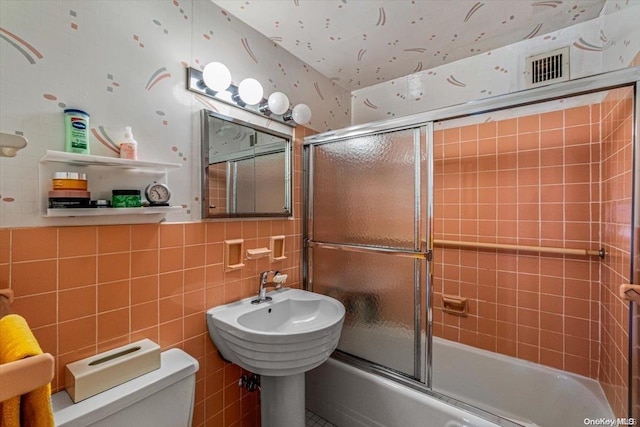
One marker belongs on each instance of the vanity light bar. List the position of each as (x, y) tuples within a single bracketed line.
[(234, 95)]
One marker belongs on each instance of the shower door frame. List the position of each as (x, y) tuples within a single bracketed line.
[(422, 250), (576, 87)]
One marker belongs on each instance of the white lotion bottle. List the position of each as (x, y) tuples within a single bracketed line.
[(128, 146)]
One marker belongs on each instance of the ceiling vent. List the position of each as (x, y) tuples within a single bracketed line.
[(547, 68)]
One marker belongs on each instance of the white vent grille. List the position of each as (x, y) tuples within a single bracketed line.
[(547, 68)]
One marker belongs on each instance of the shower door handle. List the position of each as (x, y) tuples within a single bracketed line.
[(630, 292), (369, 249)]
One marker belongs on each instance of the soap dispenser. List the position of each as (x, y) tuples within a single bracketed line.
[(129, 146)]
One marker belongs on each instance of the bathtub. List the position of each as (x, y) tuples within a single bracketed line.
[(525, 393)]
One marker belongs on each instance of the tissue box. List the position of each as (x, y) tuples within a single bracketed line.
[(95, 374)]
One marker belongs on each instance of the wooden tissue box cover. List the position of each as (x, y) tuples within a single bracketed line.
[(95, 374)]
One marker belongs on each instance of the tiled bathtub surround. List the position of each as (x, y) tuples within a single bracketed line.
[(616, 190), (536, 180)]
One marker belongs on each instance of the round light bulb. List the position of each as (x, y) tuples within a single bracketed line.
[(216, 76), (278, 103), (301, 113), (250, 91)]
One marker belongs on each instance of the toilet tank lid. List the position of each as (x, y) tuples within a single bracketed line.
[(175, 365)]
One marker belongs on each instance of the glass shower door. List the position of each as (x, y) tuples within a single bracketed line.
[(366, 243)]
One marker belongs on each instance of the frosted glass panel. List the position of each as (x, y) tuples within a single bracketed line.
[(364, 190), (378, 294)]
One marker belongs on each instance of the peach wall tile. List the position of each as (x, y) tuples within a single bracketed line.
[(194, 325), (233, 230), (144, 263), (214, 253), (194, 279), (171, 333), (113, 267), (552, 120), (112, 324), (74, 272), (215, 231), (195, 233), (47, 337), (145, 237), (466, 133), (76, 303), (171, 259), (116, 238), (487, 130), (577, 135), (113, 295), (144, 289), (144, 316), (577, 116), (4, 276), (5, 245), (77, 241), (38, 310), (194, 256), (194, 302), (76, 334), (34, 277), (171, 235), (528, 124), (171, 284), (34, 244), (170, 308)]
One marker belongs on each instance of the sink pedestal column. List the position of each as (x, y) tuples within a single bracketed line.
[(282, 401)]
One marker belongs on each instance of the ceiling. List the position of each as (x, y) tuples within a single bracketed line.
[(359, 43)]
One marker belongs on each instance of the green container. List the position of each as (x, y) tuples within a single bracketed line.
[(126, 199), (76, 126)]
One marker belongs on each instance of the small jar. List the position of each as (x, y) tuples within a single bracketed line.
[(126, 199), (69, 181), (100, 203)]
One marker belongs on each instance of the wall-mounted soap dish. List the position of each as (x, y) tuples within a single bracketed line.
[(10, 144), (258, 253), (233, 254), (277, 249), (455, 305)]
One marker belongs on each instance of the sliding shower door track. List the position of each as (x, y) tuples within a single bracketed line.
[(369, 249), (416, 385)]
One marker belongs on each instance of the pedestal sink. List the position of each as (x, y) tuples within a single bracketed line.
[(280, 340)]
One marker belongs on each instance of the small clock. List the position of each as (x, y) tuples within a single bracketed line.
[(157, 194)]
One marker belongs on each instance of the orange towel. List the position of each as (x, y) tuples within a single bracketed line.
[(34, 408)]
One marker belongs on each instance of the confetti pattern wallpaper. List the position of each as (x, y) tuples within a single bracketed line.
[(124, 63), (607, 43), (362, 43)]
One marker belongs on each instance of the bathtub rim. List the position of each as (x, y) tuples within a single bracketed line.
[(402, 379)]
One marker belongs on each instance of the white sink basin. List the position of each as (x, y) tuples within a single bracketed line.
[(293, 333)]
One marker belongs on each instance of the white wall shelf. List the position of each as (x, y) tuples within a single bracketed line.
[(104, 174), (71, 212), (114, 162)]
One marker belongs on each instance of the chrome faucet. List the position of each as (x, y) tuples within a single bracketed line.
[(264, 281)]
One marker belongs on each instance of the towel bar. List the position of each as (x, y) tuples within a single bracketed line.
[(23, 376)]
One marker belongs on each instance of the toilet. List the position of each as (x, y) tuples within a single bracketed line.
[(161, 398)]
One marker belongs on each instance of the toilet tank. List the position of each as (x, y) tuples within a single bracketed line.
[(161, 398)]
